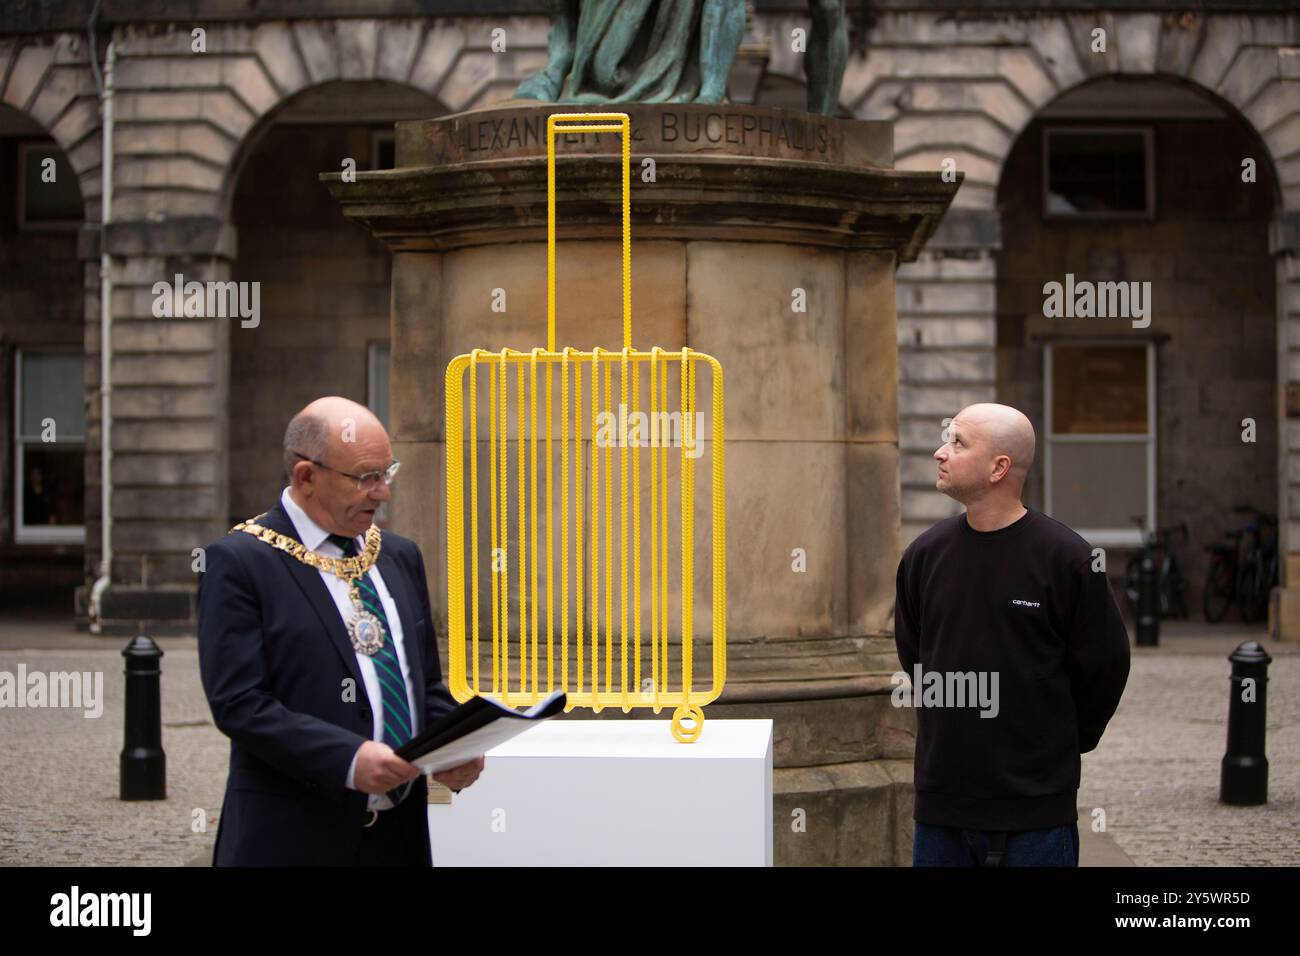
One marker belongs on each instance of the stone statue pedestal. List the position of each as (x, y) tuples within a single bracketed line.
[(747, 206)]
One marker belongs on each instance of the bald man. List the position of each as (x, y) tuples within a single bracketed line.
[(318, 657), (1016, 655)]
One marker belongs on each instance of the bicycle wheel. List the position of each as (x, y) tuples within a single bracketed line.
[(1175, 588), (1252, 592), (1218, 591)]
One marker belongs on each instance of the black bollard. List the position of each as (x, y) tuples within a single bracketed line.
[(1148, 616), (143, 766), (1243, 778)]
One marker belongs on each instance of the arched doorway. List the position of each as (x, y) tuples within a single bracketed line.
[(1152, 375), (324, 284)]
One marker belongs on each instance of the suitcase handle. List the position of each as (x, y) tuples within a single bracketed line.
[(588, 123)]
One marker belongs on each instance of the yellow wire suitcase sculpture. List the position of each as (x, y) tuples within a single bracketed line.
[(576, 641)]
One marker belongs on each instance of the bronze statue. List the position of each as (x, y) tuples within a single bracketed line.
[(670, 51)]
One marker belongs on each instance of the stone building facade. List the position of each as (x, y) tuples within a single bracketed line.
[(203, 147)]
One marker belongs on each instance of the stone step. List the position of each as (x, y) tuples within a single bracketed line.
[(851, 814)]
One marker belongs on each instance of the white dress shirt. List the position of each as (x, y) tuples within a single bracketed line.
[(316, 538)]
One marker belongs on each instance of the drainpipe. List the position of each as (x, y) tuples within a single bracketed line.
[(105, 334)]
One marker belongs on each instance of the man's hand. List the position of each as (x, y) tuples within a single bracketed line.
[(458, 778), (379, 769)]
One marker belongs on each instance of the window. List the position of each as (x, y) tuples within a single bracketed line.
[(50, 448), (42, 203), (1093, 172), (1099, 463)]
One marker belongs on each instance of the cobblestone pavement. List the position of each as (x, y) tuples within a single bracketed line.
[(59, 790), (1156, 772)]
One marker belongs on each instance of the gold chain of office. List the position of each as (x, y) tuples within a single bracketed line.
[(365, 630), (345, 568)]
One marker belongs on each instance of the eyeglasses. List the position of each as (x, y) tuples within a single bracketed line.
[(367, 482)]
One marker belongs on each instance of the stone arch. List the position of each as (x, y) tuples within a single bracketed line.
[(969, 88), (49, 80), (248, 145), (221, 98), (1266, 155)]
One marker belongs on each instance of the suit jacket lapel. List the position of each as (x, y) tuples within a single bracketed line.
[(400, 590), (318, 596)]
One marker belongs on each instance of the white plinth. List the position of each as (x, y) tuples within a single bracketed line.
[(615, 793)]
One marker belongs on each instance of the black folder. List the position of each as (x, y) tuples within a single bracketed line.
[(472, 729)]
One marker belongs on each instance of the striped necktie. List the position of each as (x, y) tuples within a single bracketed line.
[(396, 723)]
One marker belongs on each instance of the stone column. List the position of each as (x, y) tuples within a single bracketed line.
[(947, 336), (170, 383), (417, 508)]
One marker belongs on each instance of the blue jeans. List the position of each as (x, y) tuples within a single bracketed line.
[(953, 846)]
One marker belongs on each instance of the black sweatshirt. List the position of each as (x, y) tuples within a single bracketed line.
[(1024, 602)]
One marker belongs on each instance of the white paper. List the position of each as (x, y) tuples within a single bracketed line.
[(506, 727)]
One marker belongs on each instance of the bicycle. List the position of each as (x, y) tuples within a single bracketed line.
[(1170, 583), (1257, 569), (1221, 578), (1244, 571)]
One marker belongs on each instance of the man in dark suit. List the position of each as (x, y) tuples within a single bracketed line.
[(318, 658)]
